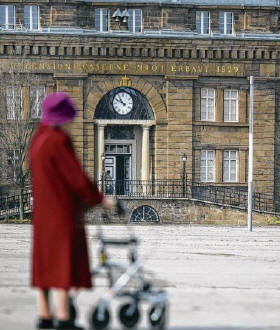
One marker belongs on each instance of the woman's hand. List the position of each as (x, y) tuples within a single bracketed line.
[(108, 203)]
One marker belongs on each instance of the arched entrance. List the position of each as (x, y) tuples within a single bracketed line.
[(123, 118)]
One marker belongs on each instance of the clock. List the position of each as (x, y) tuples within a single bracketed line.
[(122, 103)]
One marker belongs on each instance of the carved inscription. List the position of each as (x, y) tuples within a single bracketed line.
[(120, 67)]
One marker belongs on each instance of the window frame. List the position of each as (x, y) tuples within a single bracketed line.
[(230, 99), (31, 23), (134, 20), (13, 156), (224, 29), (207, 160), (201, 19), (230, 160), (37, 104), (13, 112), (207, 98), (6, 10), (101, 22)]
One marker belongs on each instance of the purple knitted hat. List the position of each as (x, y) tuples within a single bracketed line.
[(58, 109)]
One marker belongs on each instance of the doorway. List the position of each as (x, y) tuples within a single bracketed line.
[(118, 168)]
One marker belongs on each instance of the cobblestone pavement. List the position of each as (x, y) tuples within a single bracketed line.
[(217, 278)]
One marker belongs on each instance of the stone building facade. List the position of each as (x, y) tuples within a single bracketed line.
[(155, 79)]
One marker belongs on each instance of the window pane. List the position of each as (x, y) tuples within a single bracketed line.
[(211, 92), (11, 18), (233, 155), (226, 170), (234, 94), (35, 17), (205, 22), (97, 19), (211, 155), (198, 21), (226, 110), (138, 20), (233, 111), (221, 22), (27, 16), (2, 15), (130, 20), (105, 20)]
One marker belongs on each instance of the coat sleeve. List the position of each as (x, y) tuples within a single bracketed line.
[(72, 174)]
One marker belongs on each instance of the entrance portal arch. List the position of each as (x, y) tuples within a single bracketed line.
[(123, 117), (98, 90)]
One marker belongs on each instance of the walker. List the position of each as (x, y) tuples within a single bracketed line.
[(129, 312)]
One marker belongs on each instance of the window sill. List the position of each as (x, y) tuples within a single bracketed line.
[(220, 124)]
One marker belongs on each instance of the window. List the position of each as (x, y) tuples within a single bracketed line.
[(226, 22), (144, 214), (31, 17), (230, 105), (36, 96), (135, 20), (13, 163), (207, 166), (13, 100), (208, 104), (230, 166), (102, 20), (7, 17), (203, 22)]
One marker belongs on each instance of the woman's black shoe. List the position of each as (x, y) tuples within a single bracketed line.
[(66, 325), (44, 323)]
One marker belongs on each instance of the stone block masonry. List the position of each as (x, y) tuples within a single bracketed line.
[(183, 211)]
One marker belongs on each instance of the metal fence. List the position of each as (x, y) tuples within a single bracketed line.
[(9, 205), (233, 196)]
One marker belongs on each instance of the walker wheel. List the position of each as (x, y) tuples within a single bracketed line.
[(129, 315), (72, 310), (99, 320), (157, 317)]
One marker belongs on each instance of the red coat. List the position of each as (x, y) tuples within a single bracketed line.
[(60, 191)]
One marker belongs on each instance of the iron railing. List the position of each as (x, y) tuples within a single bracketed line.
[(9, 205), (224, 195), (233, 196)]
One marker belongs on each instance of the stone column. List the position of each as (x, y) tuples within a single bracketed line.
[(100, 148), (145, 153)]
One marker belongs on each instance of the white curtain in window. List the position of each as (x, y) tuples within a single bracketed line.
[(13, 101), (36, 96), (208, 104), (207, 166), (230, 166), (230, 105)]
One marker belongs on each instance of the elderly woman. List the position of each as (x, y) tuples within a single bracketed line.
[(61, 190)]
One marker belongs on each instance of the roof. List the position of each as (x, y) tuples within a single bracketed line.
[(147, 34), (258, 3)]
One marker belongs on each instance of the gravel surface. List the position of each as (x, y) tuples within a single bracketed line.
[(216, 277)]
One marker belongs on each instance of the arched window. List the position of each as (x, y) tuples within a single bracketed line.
[(144, 213), (124, 103)]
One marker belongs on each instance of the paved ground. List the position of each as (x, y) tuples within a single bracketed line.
[(216, 278)]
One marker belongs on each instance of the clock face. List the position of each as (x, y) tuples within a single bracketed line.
[(122, 103)]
